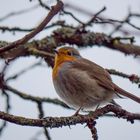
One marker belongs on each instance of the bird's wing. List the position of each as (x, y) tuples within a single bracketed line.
[(96, 72)]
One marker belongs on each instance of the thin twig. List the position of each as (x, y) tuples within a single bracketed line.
[(18, 29), (104, 19), (72, 15), (125, 21), (47, 134), (64, 11), (7, 109), (41, 115), (15, 76), (94, 18), (43, 5), (40, 53), (35, 98), (132, 77), (15, 13)]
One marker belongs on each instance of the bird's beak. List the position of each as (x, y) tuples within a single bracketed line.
[(56, 52)]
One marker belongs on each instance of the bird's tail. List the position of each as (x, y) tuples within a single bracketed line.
[(126, 94)]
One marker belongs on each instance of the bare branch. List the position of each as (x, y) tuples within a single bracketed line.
[(68, 35), (7, 109), (43, 5), (55, 9), (133, 78), (18, 29), (91, 126), (84, 39), (41, 115), (72, 15), (55, 122), (64, 11), (40, 53), (47, 134), (35, 99), (125, 21), (94, 18), (15, 76), (105, 19), (14, 29)]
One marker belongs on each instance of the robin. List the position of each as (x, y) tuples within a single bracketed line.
[(83, 84)]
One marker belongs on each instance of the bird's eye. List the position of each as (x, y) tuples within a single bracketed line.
[(69, 53)]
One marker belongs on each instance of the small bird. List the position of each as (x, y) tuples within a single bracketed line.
[(82, 84)]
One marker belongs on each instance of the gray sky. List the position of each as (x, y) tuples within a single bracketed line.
[(38, 81)]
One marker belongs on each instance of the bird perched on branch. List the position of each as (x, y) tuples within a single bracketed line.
[(83, 84)]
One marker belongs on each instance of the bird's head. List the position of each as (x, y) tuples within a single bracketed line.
[(66, 54)]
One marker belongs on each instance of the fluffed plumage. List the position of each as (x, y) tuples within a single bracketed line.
[(82, 83)]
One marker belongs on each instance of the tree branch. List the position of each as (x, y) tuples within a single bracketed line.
[(132, 77), (55, 122), (19, 29), (93, 130), (55, 9), (68, 35), (7, 109)]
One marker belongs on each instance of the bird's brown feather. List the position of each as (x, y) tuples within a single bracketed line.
[(95, 71)]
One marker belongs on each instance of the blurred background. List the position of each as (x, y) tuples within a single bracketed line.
[(38, 81)]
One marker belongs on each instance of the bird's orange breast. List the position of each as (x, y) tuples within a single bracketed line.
[(59, 60)]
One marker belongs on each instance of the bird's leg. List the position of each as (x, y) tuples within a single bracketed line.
[(81, 106), (97, 107), (77, 112), (114, 103)]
